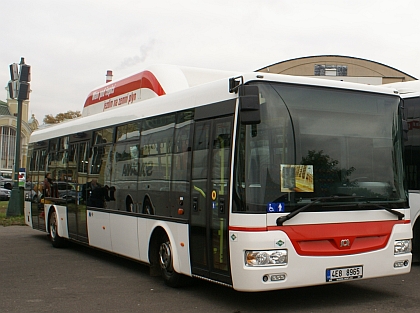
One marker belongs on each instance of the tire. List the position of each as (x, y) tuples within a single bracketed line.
[(56, 240), (169, 275)]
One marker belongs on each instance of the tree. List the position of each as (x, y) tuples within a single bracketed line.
[(60, 117), (327, 174)]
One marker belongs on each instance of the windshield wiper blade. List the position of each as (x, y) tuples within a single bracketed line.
[(283, 219), (392, 211)]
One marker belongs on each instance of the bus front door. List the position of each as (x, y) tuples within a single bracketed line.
[(210, 199)]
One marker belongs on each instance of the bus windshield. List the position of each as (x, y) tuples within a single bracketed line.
[(317, 142)]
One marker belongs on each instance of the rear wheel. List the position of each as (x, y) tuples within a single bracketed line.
[(170, 276), (56, 240)]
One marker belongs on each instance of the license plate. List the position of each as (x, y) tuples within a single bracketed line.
[(344, 273)]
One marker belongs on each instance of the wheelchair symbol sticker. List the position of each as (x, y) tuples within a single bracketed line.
[(274, 207)]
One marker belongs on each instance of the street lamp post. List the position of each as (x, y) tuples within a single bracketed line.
[(18, 89)]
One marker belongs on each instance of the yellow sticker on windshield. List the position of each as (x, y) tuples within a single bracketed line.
[(297, 178)]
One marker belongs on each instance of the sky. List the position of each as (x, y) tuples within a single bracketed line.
[(71, 44)]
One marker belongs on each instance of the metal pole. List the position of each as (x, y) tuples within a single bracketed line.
[(15, 204)]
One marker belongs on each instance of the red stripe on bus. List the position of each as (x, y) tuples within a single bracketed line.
[(247, 229), (145, 79), (334, 239)]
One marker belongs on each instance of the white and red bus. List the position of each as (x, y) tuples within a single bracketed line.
[(254, 181), (410, 93)]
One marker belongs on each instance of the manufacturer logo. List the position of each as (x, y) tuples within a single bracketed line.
[(345, 243)]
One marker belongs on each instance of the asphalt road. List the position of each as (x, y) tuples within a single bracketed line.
[(34, 277)]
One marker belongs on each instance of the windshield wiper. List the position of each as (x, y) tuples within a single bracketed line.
[(283, 219), (392, 211)]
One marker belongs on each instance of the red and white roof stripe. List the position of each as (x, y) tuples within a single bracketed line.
[(156, 81)]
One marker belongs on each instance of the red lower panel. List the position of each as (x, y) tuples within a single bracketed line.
[(335, 239)]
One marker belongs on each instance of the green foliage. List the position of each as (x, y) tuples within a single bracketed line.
[(327, 173), (50, 119)]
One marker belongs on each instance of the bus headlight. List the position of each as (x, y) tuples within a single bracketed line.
[(402, 246), (266, 258)]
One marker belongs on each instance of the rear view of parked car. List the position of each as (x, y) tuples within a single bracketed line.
[(4, 194)]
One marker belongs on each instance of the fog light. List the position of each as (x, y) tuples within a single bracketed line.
[(402, 263), (274, 277), (278, 277)]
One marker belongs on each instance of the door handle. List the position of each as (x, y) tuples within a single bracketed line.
[(195, 204), (221, 205)]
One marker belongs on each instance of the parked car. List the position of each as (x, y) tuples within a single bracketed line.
[(67, 191), (5, 194), (6, 183)]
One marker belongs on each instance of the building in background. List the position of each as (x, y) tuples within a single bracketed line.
[(8, 126), (337, 67)]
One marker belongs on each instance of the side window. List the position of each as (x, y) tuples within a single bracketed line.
[(97, 159), (221, 155), (42, 157), (412, 145), (181, 153), (125, 167), (129, 131), (156, 145), (201, 150), (31, 185), (83, 157), (57, 166)]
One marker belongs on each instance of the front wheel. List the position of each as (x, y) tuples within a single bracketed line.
[(170, 276), (56, 240)]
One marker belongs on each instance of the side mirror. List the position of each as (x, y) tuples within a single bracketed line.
[(249, 105)]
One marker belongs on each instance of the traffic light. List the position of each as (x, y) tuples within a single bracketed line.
[(25, 73), (13, 89), (14, 71), (23, 93), (19, 84)]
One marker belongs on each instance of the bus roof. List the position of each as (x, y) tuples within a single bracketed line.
[(405, 88), (183, 88)]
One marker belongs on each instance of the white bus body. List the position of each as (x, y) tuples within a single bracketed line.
[(218, 202)]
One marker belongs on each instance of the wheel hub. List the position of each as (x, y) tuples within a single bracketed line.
[(165, 256)]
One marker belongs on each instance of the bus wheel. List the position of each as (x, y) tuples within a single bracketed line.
[(56, 240), (147, 207), (171, 278)]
